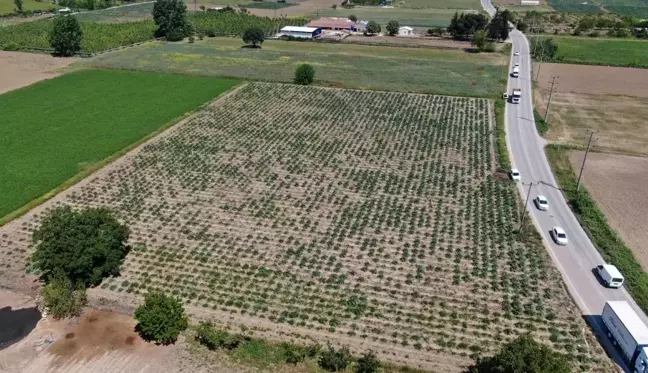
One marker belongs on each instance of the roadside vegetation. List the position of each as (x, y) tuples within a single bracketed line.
[(82, 118), (608, 52), (604, 238)]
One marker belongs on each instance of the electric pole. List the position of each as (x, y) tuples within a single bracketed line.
[(584, 159), (526, 203), (553, 83)]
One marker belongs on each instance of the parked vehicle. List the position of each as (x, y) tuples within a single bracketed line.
[(515, 175), (516, 95), (516, 72), (505, 96), (516, 53), (628, 332), (559, 236), (610, 275), (541, 203)]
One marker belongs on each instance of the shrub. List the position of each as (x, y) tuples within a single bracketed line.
[(304, 75), (368, 363), (66, 36), (293, 354), (334, 360), (62, 299), (161, 318), (175, 35), (353, 18), (212, 338)]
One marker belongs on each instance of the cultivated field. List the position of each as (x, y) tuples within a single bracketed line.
[(617, 183), (22, 69), (55, 129), (345, 65), (609, 99), (612, 52), (8, 6), (424, 17), (371, 219)]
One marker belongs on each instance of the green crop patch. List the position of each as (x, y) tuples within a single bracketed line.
[(57, 128), (428, 70), (9, 7), (612, 52)]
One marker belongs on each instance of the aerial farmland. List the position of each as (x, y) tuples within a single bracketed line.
[(368, 219)]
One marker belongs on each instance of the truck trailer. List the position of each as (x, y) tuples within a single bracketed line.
[(516, 71), (515, 96), (628, 332)]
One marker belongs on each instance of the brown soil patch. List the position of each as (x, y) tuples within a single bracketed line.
[(18, 69), (595, 79), (617, 183), (428, 42), (619, 119)]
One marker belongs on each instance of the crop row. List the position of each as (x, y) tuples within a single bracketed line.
[(103, 36)]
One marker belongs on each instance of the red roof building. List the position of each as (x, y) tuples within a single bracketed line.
[(333, 23)]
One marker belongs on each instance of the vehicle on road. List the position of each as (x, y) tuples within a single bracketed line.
[(610, 275), (515, 175), (517, 64), (628, 332), (516, 53), (505, 96), (516, 95), (559, 236), (541, 203), (65, 11), (516, 72)]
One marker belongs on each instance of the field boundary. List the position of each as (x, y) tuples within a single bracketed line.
[(595, 224), (92, 168)]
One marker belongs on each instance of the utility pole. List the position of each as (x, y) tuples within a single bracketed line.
[(553, 83), (584, 159), (526, 203)]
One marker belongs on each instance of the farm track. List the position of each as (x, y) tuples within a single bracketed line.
[(342, 215)]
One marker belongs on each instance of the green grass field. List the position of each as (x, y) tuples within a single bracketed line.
[(430, 70), (57, 128), (8, 6), (405, 16), (617, 52), (129, 13)]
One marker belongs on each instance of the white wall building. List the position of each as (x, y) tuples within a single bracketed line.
[(301, 32), (405, 31)]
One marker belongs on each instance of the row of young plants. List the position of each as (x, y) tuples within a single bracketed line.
[(99, 37), (357, 214)]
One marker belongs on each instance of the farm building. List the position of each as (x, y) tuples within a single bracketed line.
[(335, 23), (301, 32), (405, 31), (529, 2)]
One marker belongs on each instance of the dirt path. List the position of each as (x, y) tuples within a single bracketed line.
[(19, 69)]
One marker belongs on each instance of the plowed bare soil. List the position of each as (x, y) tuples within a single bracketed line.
[(617, 183), (19, 69)]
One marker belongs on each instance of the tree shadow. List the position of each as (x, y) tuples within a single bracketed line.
[(250, 46), (16, 324)]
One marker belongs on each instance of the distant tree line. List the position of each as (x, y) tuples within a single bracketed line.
[(465, 25)]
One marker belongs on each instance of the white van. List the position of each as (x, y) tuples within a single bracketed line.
[(610, 275)]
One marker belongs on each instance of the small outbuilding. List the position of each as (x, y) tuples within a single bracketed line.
[(405, 31), (301, 32)]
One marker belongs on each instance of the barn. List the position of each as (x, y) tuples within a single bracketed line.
[(301, 32)]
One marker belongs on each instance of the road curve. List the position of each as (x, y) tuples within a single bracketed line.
[(576, 260)]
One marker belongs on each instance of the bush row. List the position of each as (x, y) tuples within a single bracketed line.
[(606, 240)]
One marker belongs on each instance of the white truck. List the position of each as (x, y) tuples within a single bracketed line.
[(515, 96), (516, 71), (628, 332)]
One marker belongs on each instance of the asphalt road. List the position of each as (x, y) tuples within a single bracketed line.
[(579, 257)]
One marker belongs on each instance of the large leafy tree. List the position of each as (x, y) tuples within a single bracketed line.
[(543, 48), (524, 355), (254, 36), (498, 28), (19, 6), (170, 18), (66, 36), (84, 246), (464, 25), (392, 28), (480, 40), (161, 318), (373, 27)]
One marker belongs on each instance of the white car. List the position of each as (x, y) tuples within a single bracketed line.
[(542, 203), (517, 64), (559, 235), (505, 95), (515, 175), (516, 53)]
